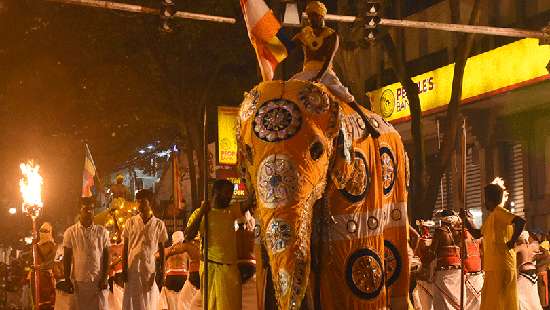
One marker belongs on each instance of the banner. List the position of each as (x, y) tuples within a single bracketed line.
[(227, 135), (505, 68)]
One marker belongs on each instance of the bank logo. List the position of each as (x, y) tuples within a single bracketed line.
[(387, 103)]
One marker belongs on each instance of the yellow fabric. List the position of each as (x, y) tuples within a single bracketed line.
[(224, 286), (291, 158), (497, 230), (316, 7), (545, 245), (500, 290), (335, 290), (222, 242)]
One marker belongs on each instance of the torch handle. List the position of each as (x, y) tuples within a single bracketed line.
[(36, 264)]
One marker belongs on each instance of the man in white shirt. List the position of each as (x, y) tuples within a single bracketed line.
[(144, 235), (86, 259)]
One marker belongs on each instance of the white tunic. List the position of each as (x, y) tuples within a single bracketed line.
[(143, 239), (87, 245)]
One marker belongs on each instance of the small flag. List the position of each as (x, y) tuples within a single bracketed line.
[(269, 39), (88, 175)]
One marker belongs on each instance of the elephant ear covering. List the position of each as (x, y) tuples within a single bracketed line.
[(286, 133), (365, 248)]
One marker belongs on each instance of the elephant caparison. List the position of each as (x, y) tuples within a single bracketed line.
[(331, 200)]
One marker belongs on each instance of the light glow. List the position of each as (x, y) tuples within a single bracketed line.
[(31, 186)]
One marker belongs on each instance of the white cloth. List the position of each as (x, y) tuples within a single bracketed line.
[(447, 289), (249, 293), (528, 294), (177, 237), (115, 297), (87, 245), (89, 297), (64, 301), (423, 295), (474, 284), (330, 80), (143, 240), (171, 300)]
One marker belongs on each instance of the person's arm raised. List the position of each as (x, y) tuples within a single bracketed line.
[(194, 224), (518, 223)]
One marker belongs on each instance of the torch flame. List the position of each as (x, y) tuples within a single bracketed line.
[(31, 185)]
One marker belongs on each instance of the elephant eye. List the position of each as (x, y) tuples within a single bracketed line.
[(316, 150)]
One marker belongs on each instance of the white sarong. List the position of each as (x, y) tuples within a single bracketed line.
[(88, 296), (528, 294), (423, 295), (115, 297), (474, 284), (64, 301), (137, 294), (171, 300), (330, 80), (447, 289)]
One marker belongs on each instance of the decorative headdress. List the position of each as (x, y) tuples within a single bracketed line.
[(316, 7)]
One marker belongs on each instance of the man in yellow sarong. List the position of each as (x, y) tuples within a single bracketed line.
[(224, 279), (501, 230)]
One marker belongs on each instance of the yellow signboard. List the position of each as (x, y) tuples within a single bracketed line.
[(502, 69), (227, 135)]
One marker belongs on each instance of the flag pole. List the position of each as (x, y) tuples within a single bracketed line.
[(463, 245), (204, 287), (175, 196)]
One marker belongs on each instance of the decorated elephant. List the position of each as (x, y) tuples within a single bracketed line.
[(331, 200)]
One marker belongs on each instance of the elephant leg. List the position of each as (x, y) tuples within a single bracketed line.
[(270, 302)]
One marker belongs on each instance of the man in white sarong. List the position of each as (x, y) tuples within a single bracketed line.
[(86, 260), (528, 294), (63, 300), (144, 235), (447, 278)]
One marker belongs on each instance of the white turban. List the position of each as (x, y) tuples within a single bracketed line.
[(177, 237)]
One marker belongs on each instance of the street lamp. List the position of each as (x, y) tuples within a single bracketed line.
[(31, 191)]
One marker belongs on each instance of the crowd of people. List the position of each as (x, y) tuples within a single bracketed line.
[(91, 270), (500, 266)]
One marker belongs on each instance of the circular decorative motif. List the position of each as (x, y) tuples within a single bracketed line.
[(395, 214), (284, 282), (316, 149), (358, 184), (278, 235), (372, 223), (387, 103), (389, 169), (277, 181), (248, 106), (277, 120), (364, 273), (351, 226), (392, 262), (314, 100)]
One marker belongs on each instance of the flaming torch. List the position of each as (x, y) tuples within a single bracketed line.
[(31, 191)]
